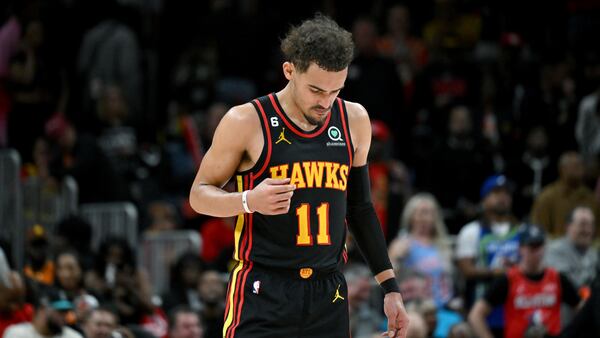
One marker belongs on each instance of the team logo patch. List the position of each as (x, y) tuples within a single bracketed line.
[(306, 272), (256, 287)]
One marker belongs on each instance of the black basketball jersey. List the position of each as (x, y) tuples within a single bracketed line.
[(312, 234)]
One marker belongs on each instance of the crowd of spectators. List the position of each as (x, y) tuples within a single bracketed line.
[(485, 160)]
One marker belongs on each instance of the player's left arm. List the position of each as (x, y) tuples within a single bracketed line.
[(364, 224)]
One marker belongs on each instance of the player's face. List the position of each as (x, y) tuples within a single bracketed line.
[(315, 91)]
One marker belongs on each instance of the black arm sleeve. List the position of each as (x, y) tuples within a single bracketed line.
[(569, 293), (363, 221), (497, 292)]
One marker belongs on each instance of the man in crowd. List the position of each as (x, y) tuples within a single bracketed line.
[(488, 246), (530, 293), (573, 254), (185, 323), (48, 321), (556, 200)]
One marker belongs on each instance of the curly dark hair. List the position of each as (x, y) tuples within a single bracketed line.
[(319, 40)]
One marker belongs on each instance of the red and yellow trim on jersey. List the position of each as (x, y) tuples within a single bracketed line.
[(238, 272), (243, 245), (295, 130), (346, 131)]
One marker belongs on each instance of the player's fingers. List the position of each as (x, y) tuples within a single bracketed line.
[(279, 198), (277, 181), (392, 323), (284, 196), (280, 210), (282, 204), (278, 189), (402, 325)]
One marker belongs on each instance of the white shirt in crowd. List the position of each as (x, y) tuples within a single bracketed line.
[(26, 330)]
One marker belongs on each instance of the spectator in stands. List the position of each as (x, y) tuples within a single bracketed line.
[(110, 54), (183, 287), (364, 320), (488, 246), (77, 154), (76, 233), (408, 51), (103, 322), (212, 289), (37, 88), (69, 281), (372, 78), (185, 323), (451, 28), (48, 320), (557, 199), (530, 293), (99, 323), (532, 170), (573, 254), (587, 126), (464, 162), (10, 34), (422, 244), (39, 266), (162, 216), (13, 309), (117, 279), (116, 137)]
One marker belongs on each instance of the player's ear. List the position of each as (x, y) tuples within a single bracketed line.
[(288, 70)]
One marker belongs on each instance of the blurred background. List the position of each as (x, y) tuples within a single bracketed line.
[(107, 107)]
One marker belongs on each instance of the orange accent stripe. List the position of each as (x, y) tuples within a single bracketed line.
[(269, 145), (346, 133), (294, 129)]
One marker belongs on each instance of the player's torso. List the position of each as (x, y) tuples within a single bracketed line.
[(318, 162)]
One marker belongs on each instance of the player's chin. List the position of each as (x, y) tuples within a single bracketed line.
[(316, 120)]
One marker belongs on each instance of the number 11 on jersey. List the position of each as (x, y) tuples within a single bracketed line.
[(304, 237)]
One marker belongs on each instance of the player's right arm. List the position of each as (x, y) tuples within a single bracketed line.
[(236, 145)]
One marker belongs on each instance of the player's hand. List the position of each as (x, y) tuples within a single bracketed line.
[(393, 307), (271, 197)]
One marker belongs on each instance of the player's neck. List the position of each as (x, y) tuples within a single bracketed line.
[(292, 110)]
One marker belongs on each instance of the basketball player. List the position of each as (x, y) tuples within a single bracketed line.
[(300, 161)]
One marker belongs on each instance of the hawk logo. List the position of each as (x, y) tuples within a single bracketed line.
[(282, 137), (337, 295)]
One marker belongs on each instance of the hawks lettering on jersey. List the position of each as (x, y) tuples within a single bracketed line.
[(313, 174)]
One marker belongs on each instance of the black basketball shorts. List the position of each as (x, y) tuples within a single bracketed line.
[(263, 302)]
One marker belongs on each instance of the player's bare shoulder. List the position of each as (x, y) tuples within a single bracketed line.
[(243, 117), (359, 123), (356, 111), (238, 125)]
